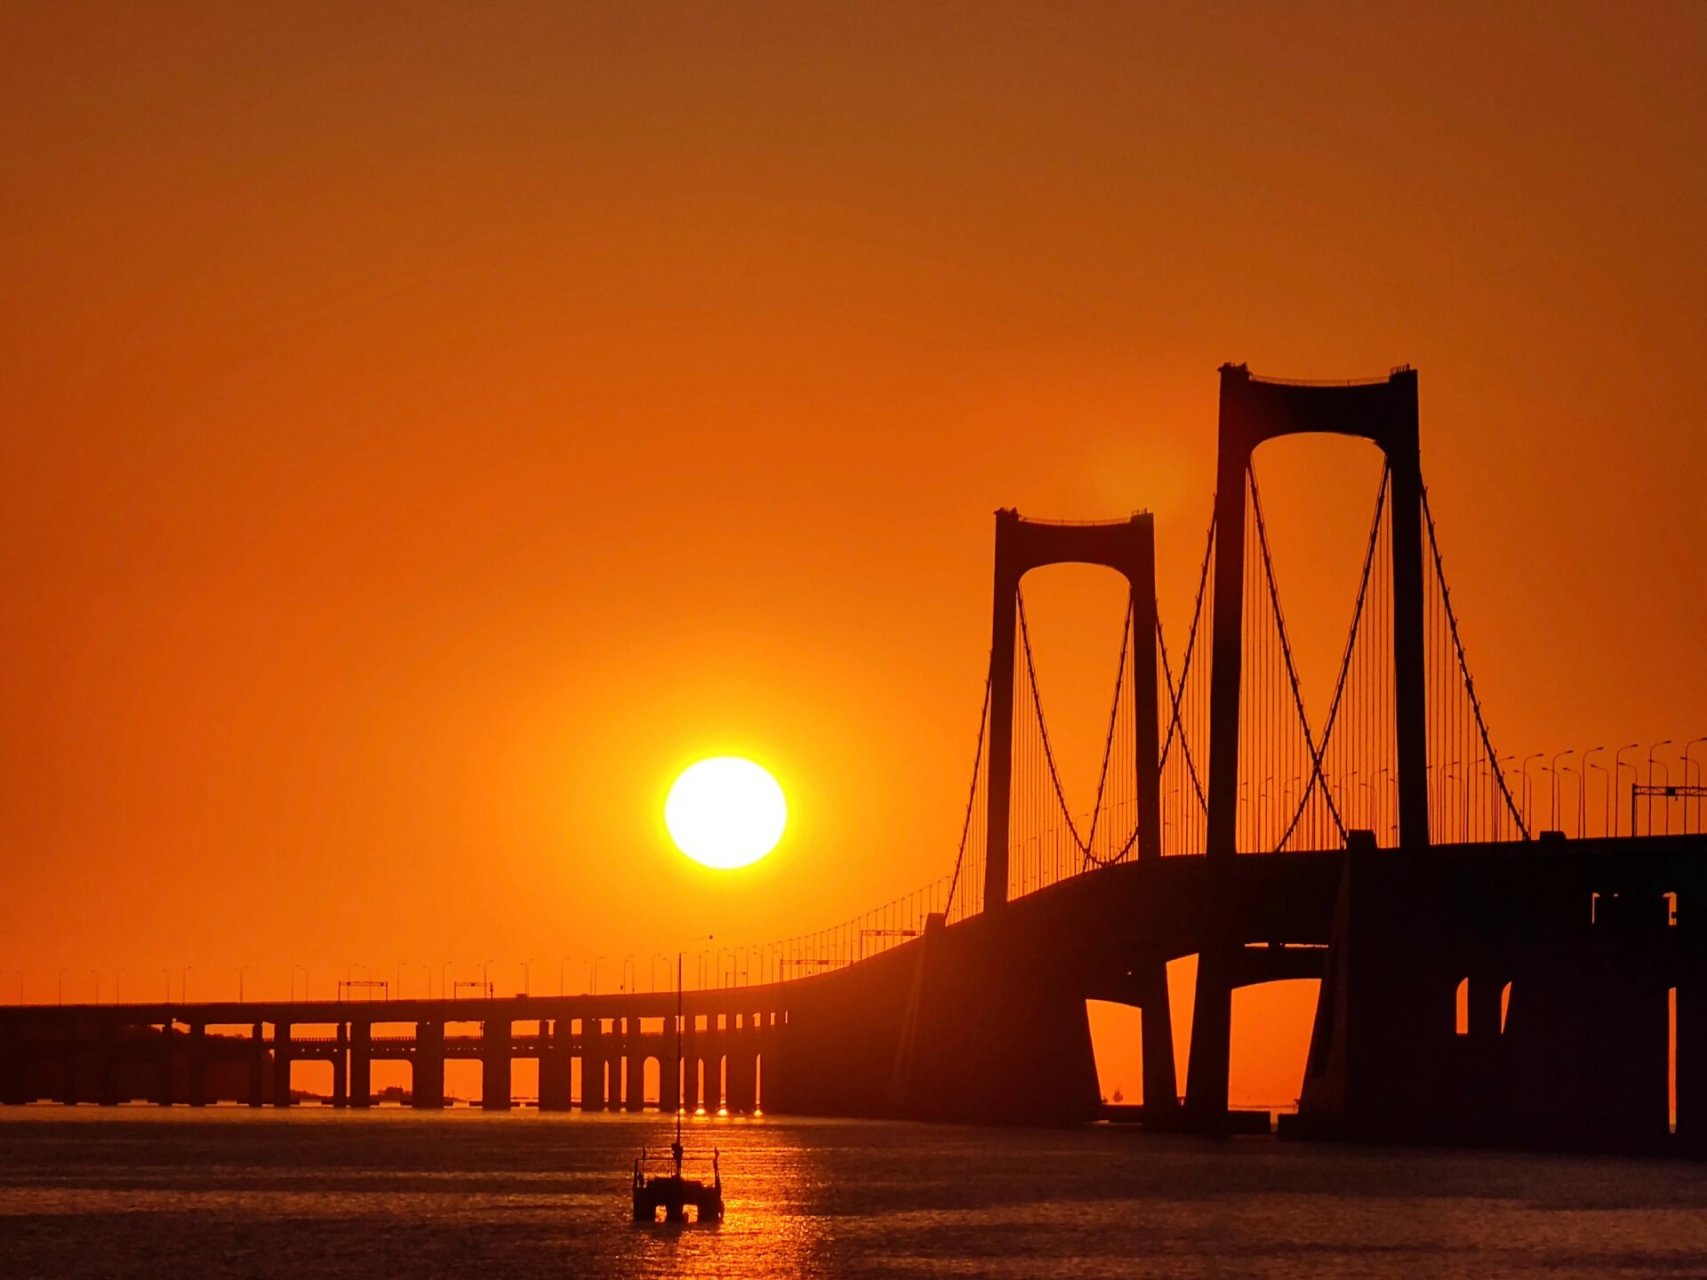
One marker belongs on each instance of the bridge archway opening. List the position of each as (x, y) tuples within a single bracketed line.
[(652, 1081), (1272, 1022), (697, 1066), (314, 1076), (1117, 1043), (758, 1084), (1318, 495), (722, 1068)]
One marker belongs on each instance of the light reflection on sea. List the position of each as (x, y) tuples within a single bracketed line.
[(144, 1192)]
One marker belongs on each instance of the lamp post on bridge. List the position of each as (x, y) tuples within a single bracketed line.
[(593, 976), (184, 984), (1663, 743), (1528, 807), (1578, 774), (1582, 796), (1686, 766), (1617, 765), (1606, 827), (241, 970), (527, 976), (1558, 756)]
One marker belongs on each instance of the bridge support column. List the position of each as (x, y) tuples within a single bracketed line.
[(1208, 1065), (12, 1064), (427, 1085), (341, 1067), (361, 1064), (634, 1061), (1156, 1033), (257, 1065), (165, 1054), (595, 1090), (107, 1063), (742, 1070), (495, 1064), (669, 1077), (281, 1064), (198, 1064), (68, 1063), (554, 1065)]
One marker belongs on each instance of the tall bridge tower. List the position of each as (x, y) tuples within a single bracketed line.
[(1129, 548), (1254, 411)]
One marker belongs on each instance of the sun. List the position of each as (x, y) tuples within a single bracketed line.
[(725, 812)]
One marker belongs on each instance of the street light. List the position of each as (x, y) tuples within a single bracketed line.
[(1558, 756), (1582, 798), (527, 976), (1533, 755), (563, 960), (1651, 750), (240, 971), (1686, 767), (593, 976), (1606, 827), (184, 984), (1617, 764)]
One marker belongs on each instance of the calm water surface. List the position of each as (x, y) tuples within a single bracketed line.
[(138, 1192)]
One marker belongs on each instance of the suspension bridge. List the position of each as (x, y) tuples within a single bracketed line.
[(1483, 977)]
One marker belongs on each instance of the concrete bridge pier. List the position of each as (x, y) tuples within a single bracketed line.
[(107, 1064), (690, 1081), (11, 1066), (341, 1067), (592, 1064), (361, 1064), (669, 1078), (163, 1054), (1156, 1037), (634, 1063), (554, 1065), (495, 1064), (1690, 1044), (67, 1073), (427, 1085), (198, 1064), (257, 1065), (743, 1069), (281, 1064), (1209, 1062)]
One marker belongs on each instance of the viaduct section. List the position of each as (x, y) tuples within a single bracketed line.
[(1541, 993)]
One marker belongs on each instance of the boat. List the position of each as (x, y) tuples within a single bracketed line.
[(671, 1191)]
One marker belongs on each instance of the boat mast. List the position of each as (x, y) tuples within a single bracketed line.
[(679, 1081)]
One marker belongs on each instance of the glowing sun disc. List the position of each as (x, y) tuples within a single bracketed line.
[(725, 812)]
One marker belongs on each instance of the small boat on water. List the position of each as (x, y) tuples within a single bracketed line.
[(671, 1191)]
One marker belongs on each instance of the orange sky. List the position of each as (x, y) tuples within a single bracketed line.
[(425, 428)]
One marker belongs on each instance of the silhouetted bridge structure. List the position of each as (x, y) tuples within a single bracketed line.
[(1480, 980)]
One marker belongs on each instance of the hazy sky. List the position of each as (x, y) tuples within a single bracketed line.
[(424, 428)]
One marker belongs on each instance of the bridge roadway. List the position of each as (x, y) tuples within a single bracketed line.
[(1566, 957)]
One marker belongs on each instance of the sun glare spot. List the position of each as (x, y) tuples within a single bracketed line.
[(725, 812)]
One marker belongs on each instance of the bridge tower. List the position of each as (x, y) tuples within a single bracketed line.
[(1253, 411), (1129, 548)]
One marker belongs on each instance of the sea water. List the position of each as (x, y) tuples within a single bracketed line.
[(134, 1191)]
